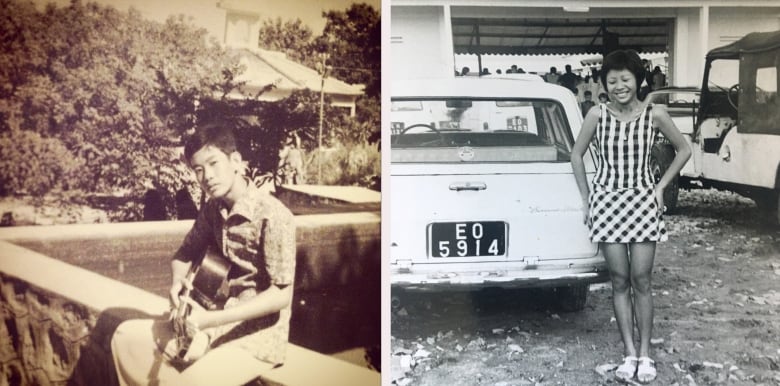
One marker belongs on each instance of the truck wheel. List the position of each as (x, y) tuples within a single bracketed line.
[(660, 158), (572, 298)]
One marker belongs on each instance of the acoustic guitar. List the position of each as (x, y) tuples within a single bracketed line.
[(209, 288)]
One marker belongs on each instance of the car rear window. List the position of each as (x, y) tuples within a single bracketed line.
[(478, 130)]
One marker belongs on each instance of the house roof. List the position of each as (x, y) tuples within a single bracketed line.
[(264, 68), (533, 36)]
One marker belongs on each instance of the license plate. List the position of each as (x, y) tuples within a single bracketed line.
[(468, 239)]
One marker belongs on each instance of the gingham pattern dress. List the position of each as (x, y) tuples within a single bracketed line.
[(622, 202)]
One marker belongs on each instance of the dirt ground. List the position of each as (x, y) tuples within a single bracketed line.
[(716, 284)]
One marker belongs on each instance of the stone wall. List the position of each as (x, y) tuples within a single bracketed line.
[(58, 320), (42, 334)]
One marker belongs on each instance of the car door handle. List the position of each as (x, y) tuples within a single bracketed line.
[(458, 186)]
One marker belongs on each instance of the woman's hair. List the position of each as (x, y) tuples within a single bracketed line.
[(219, 135), (623, 60)]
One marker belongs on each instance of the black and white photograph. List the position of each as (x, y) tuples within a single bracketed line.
[(190, 192), (583, 193)]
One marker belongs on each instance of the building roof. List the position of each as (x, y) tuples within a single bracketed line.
[(265, 68)]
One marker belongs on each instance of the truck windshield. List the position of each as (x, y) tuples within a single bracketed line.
[(489, 130), (724, 73)]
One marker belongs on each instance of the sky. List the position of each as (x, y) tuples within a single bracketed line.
[(206, 14)]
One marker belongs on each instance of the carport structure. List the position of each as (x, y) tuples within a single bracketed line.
[(480, 36), (432, 32), (524, 37)]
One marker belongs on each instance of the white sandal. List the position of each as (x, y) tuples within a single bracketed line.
[(645, 371), (625, 372)]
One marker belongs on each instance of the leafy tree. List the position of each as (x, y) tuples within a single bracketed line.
[(116, 90), (33, 164), (352, 38), (291, 37)]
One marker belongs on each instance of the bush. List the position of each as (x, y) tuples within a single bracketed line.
[(354, 164), (32, 164)]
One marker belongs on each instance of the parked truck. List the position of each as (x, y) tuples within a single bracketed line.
[(736, 125)]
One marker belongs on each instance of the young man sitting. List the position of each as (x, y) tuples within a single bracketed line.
[(255, 235)]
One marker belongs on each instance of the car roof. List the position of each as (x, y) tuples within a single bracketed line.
[(516, 76), (481, 88), (676, 89)]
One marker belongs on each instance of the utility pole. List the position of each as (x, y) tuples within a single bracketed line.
[(323, 73)]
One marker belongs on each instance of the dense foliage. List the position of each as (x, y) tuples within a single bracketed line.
[(350, 45), (97, 100), (291, 37), (33, 164), (352, 40), (114, 89)]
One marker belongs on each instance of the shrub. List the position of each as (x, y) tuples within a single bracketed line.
[(32, 164), (353, 164)]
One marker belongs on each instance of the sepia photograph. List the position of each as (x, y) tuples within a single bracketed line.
[(583, 193), (190, 192)]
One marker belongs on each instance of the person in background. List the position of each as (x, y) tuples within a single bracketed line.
[(603, 98), (517, 70), (648, 73), (623, 204), (595, 85), (569, 79), (659, 79), (290, 166), (587, 102), (552, 76)]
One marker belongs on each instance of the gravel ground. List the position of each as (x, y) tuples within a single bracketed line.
[(717, 297)]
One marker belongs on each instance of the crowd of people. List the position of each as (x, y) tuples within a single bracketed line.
[(588, 88)]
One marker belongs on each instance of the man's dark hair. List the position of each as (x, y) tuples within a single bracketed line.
[(220, 135), (623, 60)]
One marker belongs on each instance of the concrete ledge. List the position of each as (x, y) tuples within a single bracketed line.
[(102, 296), (347, 194), (333, 249), (89, 289), (145, 228)]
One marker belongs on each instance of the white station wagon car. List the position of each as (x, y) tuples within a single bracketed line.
[(482, 193)]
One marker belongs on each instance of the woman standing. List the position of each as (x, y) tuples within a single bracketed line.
[(624, 204)]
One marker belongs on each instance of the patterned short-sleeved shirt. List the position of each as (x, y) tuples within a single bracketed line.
[(257, 235)]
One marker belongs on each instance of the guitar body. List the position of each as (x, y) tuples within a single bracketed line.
[(209, 279), (209, 283)]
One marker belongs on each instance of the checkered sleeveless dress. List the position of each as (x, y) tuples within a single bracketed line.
[(622, 204)]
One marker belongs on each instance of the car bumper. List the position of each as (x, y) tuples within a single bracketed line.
[(467, 276)]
